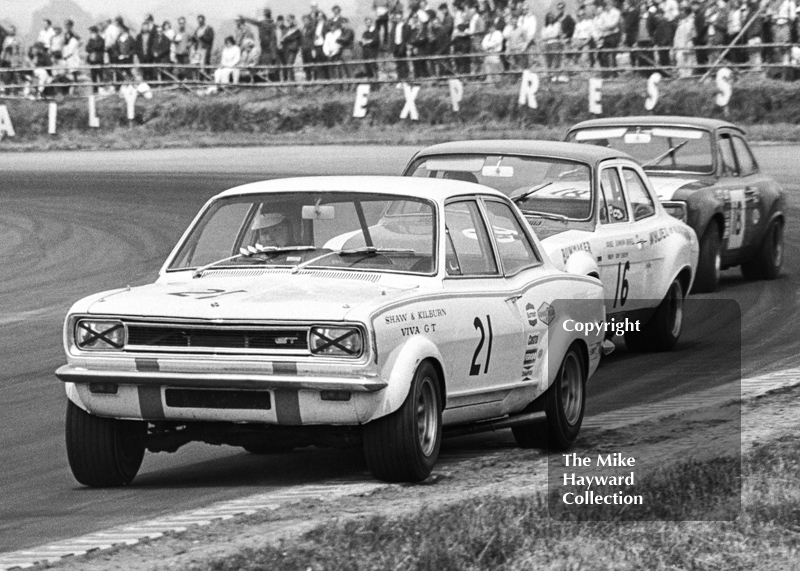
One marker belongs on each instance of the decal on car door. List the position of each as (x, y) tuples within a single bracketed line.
[(736, 220)]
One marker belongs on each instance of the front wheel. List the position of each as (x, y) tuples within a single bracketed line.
[(767, 263), (663, 330), (564, 405), (404, 446), (103, 452), (709, 263)]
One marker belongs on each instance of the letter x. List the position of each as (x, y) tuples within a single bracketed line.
[(410, 108), (99, 335)]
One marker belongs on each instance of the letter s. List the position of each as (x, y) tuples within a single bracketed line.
[(725, 87), (652, 91)]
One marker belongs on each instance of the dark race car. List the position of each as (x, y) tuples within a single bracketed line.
[(704, 173)]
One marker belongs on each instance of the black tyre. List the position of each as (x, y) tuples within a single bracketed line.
[(663, 330), (103, 452), (565, 401), (767, 263), (404, 446), (709, 264)]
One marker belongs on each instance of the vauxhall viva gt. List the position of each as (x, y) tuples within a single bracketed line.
[(372, 311)]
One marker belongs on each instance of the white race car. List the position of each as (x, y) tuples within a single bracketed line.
[(340, 310), (597, 214)]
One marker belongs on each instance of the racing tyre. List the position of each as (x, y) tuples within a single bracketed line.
[(404, 446), (564, 405), (709, 264), (103, 452), (663, 330), (767, 263)]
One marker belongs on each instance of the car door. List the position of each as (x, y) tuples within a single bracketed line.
[(756, 188), (620, 244), (487, 331)]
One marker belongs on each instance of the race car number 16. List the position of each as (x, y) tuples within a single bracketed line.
[(621, 292)]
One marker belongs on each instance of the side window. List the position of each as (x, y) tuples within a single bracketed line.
[(515, 249), (726, 158), (612, 199), (641, 202), (747, 164), (469, 251)]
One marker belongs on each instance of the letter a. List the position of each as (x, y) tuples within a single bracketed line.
[(528, 89), (652, 91), (362, 98), (595, 95), (724, 86), (410, 108), (6, 127), (456, 93)]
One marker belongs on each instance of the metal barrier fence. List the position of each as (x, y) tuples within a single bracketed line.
[(560, 64)]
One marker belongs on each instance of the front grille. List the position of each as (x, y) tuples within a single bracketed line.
[(196, 398), (184, 339)]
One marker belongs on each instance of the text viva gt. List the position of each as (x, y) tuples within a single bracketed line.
[(341, 310)]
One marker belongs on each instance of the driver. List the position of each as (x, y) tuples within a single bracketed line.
[(272, 229)]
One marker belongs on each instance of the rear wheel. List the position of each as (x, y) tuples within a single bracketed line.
[(709, 264), (404, 446), (767, 263), (103, 452), (564, 405), (663, 330)]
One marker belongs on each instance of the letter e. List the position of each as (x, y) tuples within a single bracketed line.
[(456, 93), (595, 95), (362, 98)]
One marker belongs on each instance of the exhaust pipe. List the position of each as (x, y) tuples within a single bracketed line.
[(492, 425)]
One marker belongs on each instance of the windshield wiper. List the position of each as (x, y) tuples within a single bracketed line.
[(547, 215), (664, 155), (365, 251), (251, 251), (520, 197)]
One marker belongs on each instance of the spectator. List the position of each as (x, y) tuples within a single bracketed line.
[(382, 9), (95, 48), (442, 31), (552, 44), (242, 32), (181, 43), (684, 43), (516, 42), (700, 34), (663, 38), (736, 54), (492, 45), (583, 38), (203, 39), (40, 60), (308, 48), (567, 23), (646, 23), (400, 33), (370, 45), (462, 44), (529, 24), (57, 43), (418, 44), (290, 47), (608, 28), (169, 33), (717, 17), (477, 29), (162, 47), (251, 54), (126, 48), (11, 56), (45, 36), (320, 23), (72, 56), (630, 27), (345, 40), (783, 26), (144, 50), (228, 72), (69, 30)]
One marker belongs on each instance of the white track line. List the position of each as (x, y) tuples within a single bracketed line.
[(132, 534)]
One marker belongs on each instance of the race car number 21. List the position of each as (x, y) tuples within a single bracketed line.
[(475, 367)]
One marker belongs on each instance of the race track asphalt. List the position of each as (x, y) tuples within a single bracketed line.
[(72, 224)]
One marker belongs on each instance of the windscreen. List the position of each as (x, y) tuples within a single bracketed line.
[(339, 230), (658, 149), (539, 185)]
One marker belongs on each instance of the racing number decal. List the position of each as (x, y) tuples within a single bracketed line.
[(475, 367), (736, 221), (621, 292)]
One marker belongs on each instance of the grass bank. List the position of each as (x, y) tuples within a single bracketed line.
[(516, 533), (315, 115)]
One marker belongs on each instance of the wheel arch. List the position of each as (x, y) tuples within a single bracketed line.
[(685, 276)]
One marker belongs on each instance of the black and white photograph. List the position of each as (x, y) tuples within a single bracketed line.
[(431, 285)]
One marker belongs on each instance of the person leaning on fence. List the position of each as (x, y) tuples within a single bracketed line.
[(683, 43), (583, 38), (492, 46), (182, 46), (290, 47), (461, 42), (552, 45), (608, 28), (95, 48), (307, 47), (162, 49), (320, 22), (418, 45), (11, 56), (477, 30), (125, 48), (203, 39), (228, 70), (248, 62), (345, 39), (40, 60), (144, 49), (370, 43), (400, 33)]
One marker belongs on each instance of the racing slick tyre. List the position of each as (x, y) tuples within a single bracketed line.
[(404, 446), (103, 452), (663, 330), (766, 264), (564, 405), (709, 264)]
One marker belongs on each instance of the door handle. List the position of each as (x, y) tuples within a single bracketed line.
[(513, 298)]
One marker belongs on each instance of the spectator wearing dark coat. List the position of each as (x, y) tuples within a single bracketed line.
[(203, 39), (268, 40), (399, 35), (290, 46), (95, 50), (125, 50), (370, 45), (161, 51), (307, 48), (143, 46)]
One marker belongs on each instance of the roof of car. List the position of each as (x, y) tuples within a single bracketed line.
[(660, 120), (585, 153), (429, 188)]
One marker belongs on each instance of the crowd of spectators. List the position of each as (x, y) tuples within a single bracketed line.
[(482, 38)]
